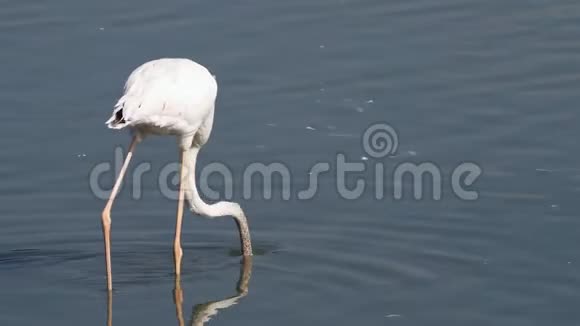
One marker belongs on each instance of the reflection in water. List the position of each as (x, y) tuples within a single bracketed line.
[(109, 308), (201, 312)]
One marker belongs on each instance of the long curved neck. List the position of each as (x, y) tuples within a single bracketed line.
[(222, 208)]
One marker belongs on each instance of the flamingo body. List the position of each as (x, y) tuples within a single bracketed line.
[(169, 96)]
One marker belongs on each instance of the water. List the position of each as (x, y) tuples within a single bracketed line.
[(495, 83)]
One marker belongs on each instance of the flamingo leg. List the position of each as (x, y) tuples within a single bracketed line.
[(106, 215), (177, 251)]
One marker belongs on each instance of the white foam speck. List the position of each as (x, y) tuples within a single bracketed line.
[(364, 158), (334, 134), (310, 128)]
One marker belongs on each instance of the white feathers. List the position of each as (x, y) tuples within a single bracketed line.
[(166, 96)]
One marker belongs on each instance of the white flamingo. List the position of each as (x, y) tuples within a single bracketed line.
[(171, 96)]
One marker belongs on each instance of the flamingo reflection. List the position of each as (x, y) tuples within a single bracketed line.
[(203, 312)]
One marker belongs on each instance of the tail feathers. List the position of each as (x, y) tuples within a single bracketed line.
[(119, 118)]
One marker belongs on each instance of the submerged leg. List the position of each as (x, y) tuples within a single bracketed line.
[(106, 215)]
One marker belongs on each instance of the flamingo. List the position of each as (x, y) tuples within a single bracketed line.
[(173, 97)]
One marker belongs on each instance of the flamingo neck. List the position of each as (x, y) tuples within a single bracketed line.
[(222, 208), (225, 208)]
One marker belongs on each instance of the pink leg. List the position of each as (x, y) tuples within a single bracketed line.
[(177, 251), (106, 216)]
